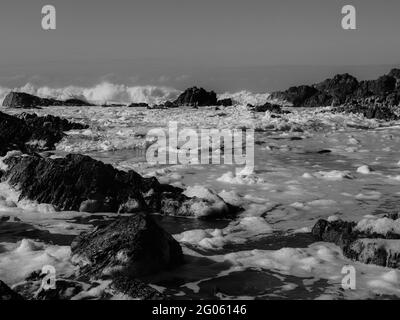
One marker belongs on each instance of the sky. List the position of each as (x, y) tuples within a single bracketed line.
[(225, 45)]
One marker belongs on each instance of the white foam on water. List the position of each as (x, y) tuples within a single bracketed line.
[(238, 232), (18, 260)]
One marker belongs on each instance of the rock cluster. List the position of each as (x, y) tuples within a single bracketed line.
[(26, 101), (366, 246), (342, 89), (133, 246), (80, 183), (196, 97), (31, 133)]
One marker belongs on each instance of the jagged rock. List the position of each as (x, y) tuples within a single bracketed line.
[(336, 90), (138, 105), (79, 182), (25, 100), (134, 289), (225, 102), (132, 246), (31, 133), (339, 232), (366, 246), (295, 95), (76, 181), (343, 90), (381, 252), (369, 110), (197, 97), (7, 294)]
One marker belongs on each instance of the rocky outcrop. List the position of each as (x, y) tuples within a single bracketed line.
[(343, 89), (6, 294), (132, 246), (297, 96), (26, 101), (31, 133), (362, 242), (196, 97), (370, 108), (79, 182)]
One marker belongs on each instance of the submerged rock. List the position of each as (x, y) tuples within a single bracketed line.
[(138, 105), (26, 101), (7, 294), (370, 242), (31, 133), (132, 246), (197, 97)]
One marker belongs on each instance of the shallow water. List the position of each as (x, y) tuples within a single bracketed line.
[(306, 168)]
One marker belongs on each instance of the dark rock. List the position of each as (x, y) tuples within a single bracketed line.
[(31, 133), (131, 246), (197, 97), (169, 105), (25, 100), (138, 105), (295, 95), (338, 89), (113, 105), (79, 182), (339, 232), (343, 90), (366, 247), (7, 294), (395, 73), (381, 252), (225, 102), (369, 110), (134, 289)]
